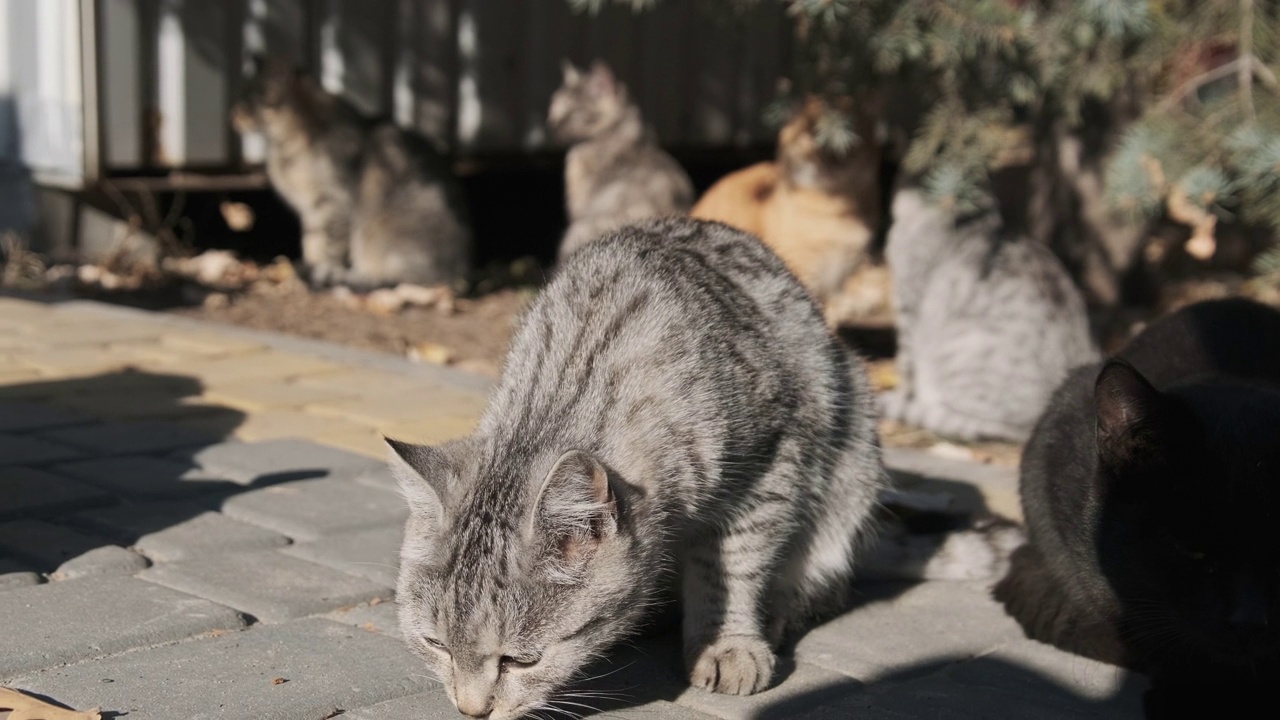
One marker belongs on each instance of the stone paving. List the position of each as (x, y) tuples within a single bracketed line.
[(195, 523)]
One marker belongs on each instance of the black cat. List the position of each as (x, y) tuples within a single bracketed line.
[(1151, 490)]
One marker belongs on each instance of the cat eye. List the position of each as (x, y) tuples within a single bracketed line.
[(507, 662), (434, 643)]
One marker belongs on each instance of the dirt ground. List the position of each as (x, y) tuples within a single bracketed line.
[(472, 334)]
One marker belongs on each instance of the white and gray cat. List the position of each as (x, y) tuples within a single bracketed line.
[(987, 325), (615, 173), (378, 205), (673, 418)]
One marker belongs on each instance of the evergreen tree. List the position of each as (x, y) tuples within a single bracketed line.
[(1178, 99)]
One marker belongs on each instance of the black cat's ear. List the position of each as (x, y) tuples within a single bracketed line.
[(575, 509), (1128, 409), (424, 474)]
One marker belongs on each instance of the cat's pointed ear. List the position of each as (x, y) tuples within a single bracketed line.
[(571, 73), (601, 81), (1128, 409), (575, 508), (424, 474)]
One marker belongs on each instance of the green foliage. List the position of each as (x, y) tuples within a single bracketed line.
[(987, 71)]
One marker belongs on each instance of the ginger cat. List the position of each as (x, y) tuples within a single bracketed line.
[(816, 209)]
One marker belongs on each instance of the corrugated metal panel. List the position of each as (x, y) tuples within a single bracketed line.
[(474, 74), (41, 108)]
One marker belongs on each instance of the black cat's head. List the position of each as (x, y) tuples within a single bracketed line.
[(1188, 535)]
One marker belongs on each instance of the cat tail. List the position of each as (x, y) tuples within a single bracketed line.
[(917, 545)]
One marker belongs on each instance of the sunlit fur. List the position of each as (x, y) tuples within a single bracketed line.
[(988, 324), (673, 415), (615, 172)]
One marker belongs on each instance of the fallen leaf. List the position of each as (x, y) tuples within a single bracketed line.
[(430, 353), (370, 627), (279, 681), (383, 302), (239, 216), (25, 707), (951, 451), (375, 601)]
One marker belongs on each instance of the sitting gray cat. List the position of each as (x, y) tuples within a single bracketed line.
[(378, 206), (673, 416), (987, 326), (615, 173)]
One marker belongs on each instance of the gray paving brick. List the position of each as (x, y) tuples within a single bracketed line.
[(372, 554), (931, 620), (379, 617), (129, 438), (802, 685), (48, 625), (266, 584), (938, 696), (379, 476), (21, 416), (29, 492), (168, 531), (64, 553), (139, 476), (325, 667), (1026, 667), (14, 575), (431, 705), (26, 450), (245, 462), (311, 509)]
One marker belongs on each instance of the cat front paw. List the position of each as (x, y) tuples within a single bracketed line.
[(734, 665)]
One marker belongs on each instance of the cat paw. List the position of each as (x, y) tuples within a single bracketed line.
[(734, 665)]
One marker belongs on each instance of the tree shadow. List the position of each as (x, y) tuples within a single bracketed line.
[(97, 462)]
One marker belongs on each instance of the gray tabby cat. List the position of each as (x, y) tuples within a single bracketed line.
[(378, 206), (673, 417), (615, 173), (987, 326)]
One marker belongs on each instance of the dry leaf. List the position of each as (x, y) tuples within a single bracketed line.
[(239, 216), (279, 681), (25, 707), (883, 375), (430, 353), (1202, 244), (383, 302)]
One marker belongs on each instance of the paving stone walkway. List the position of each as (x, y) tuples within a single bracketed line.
[(195, 523)]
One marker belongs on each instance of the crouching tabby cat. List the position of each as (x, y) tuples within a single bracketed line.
[(1151, 489), (987, 325), (378, 205), (615, 173), (673, 416)]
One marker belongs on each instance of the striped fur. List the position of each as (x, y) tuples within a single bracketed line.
[(378, 205), (615, 173), (987, 326), (673, 417)]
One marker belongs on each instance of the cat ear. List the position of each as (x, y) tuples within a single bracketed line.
[(1128, 409), (601, 81), (575, 509), (571, 73), (424, 474)]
